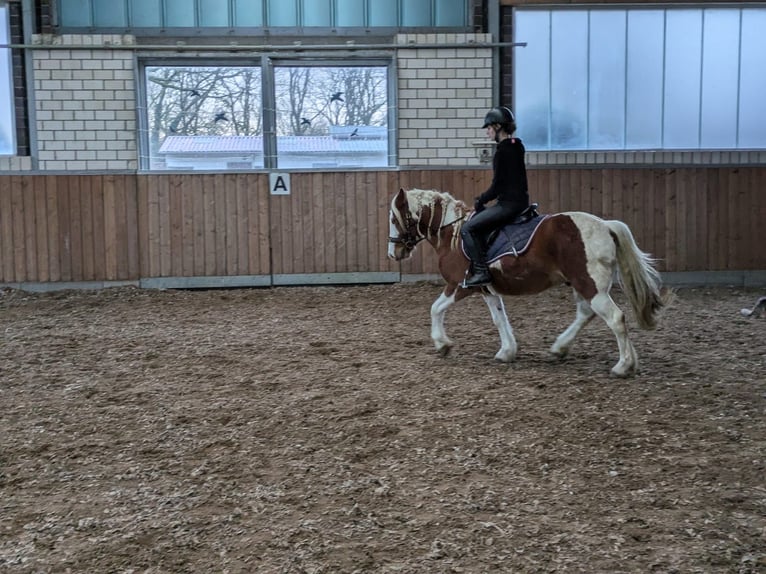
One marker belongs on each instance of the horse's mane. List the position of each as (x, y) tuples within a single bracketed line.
[(452, 210), (420, 197)]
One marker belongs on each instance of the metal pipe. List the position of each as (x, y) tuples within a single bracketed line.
[(258, 48)]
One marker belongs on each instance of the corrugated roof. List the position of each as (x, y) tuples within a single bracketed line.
[(285, 144)]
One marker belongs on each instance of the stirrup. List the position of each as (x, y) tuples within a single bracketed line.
[(478, 279)]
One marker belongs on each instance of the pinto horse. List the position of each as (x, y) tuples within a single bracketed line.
[(573, 247)]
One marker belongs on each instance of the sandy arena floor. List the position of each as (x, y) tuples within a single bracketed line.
[(315, 430)]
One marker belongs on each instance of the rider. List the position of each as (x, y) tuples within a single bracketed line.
[(509, 187)]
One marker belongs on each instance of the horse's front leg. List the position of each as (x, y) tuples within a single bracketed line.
[(439, 308), (508, 347)]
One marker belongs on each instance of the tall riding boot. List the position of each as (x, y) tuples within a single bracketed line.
[(481, 275), (477, 251)]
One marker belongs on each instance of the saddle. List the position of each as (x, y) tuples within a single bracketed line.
[(523, 217), (513, 238)]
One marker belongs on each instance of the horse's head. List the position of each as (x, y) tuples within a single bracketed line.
[(421, 214), (403, 228)]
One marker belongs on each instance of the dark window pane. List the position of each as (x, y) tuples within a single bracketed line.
[(75, 13), (350, 13), (316, 13), (283, 13), (145, 13), (179, 13), (248, 13)]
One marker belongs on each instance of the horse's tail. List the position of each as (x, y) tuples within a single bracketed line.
[(639, 278)]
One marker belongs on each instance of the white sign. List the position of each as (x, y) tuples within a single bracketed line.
[(279, 183)]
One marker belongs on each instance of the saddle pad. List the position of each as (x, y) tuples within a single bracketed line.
[(513, 239)]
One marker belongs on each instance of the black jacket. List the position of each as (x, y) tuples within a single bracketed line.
[(509, 184)]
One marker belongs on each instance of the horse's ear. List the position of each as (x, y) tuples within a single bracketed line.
[(400, 201)]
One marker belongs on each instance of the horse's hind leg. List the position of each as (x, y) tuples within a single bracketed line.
[(508, 347), (613, 316), (439, 336), (585, 315)]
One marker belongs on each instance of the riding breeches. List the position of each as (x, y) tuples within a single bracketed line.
[(476, 230)]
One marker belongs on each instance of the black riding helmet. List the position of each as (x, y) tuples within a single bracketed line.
[(500, 115)]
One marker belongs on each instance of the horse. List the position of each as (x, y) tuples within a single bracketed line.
[(573, 247)]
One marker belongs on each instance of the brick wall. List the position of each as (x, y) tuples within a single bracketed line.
[(443, 96), (85, 104)]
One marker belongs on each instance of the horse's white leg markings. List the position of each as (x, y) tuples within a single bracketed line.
[(613, 316), (439, 336), (584, 316), (508, 347)]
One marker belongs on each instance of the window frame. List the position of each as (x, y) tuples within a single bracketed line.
[(267, 63)]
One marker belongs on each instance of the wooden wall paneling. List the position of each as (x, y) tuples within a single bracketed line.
[(242, 225), (231, 238), (658, 247), (671, 198), (41, 228), (368, 221), (75, 233), (65, 225), (385, 186), (143, 184), (98, 228), (353, 230), (337, 240), (175, 223), (321, 188), (131, 222), (209, 182), (697, 218), (7, 263), (219, 244), (735, 219), (300, 224), (87, 189), (196, 223), (122, 191), (52, 226), (30, 228)]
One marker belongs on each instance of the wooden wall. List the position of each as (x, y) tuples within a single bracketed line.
[(79, 228)]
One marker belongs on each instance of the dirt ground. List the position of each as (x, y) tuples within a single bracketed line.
[(315, 430)]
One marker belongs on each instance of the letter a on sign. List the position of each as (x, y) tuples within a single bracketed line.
[(279, 183)]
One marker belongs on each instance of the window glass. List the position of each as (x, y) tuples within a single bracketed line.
[(74, 13), (606, 85), (641, 78), (110, 13), (532, 68), (752, 102), (720, 80), (248, 13), (569, 79), (145, 13), (212, 13), (283, 13), (331, 116), (683, 68), (179, 13), (643, 122), (204, 117), (7, 127), (416, 13), (317, 13), (349, 13), (450, 13), (383, 13)]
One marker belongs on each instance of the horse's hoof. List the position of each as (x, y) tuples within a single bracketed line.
[(505, 356), (444, 351), (622, 374)]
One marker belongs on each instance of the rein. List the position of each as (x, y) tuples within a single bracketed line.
[(409, 242)]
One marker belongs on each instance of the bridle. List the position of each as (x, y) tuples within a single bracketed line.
[(411, 237)]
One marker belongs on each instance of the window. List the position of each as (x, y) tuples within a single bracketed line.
[(641, 78), (131, 14), (215, 117), (331, 116), (7, 125)]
